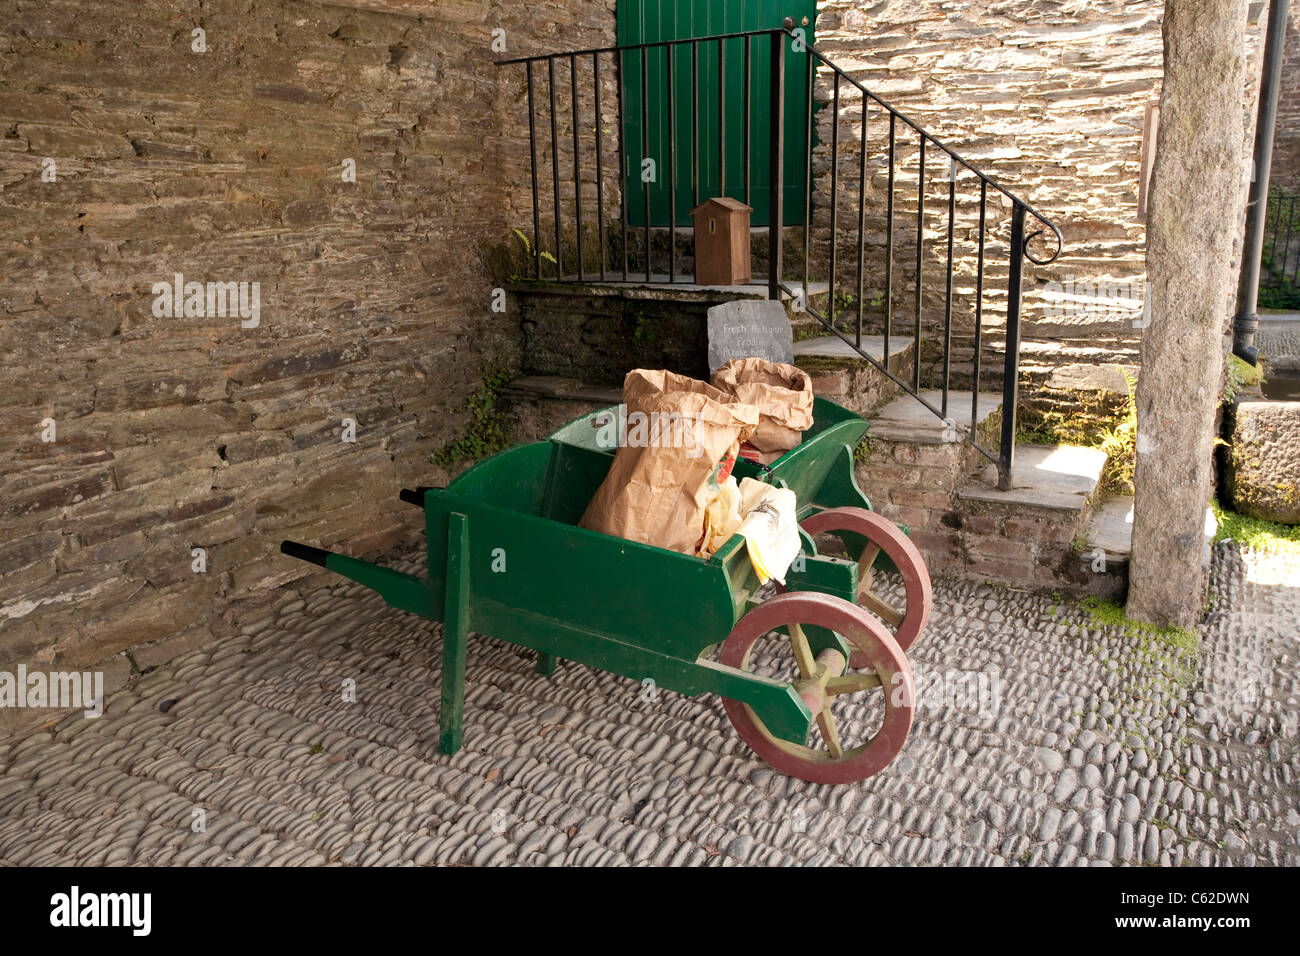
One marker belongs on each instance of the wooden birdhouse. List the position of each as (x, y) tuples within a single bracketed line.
[(721, 241)]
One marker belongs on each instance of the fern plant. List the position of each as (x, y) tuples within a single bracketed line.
[(1119, 442)]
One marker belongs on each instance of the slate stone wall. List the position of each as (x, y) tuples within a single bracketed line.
[(1046, 96), (128, 157), (1286, 142)]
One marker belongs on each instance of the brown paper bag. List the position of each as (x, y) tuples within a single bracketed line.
[(783, 395), (680, 441)]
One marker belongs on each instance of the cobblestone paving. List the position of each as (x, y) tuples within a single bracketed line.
[(1278, 335), (1098, 748)]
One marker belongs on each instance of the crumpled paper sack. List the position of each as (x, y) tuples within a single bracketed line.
[(783, 395), (722, 517), (657, 492)]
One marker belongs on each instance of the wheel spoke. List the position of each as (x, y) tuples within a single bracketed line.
[(880, 608), (880, 537), (830, 754), (867, 559), (803, 655), (830, 733), (852, 683)]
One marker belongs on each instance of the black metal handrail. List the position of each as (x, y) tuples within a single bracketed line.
[(1279, 285), (899, 124)]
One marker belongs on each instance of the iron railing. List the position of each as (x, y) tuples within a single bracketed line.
[(1279, 286), (994, 249)]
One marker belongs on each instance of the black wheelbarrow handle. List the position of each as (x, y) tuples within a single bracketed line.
[(304, 552), (416, 497), (405, 591)]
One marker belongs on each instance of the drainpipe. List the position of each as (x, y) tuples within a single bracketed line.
[(1247, 320)]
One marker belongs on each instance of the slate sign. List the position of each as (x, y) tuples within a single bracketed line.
[(749, 328)]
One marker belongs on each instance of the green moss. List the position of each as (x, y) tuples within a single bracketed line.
[(1109, 614), (1092, 423), (1255, 533), (486, 434), (643, 334), (1239, 375), (1081, 424)]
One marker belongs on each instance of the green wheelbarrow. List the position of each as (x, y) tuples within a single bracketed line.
[(506, 558)]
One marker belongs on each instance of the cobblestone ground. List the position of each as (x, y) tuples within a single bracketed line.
[(1278, 335), (1097, 748)]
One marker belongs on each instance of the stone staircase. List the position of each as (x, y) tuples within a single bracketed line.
[(919, 472)]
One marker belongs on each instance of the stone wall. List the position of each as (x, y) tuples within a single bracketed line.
[(129, 157), (1286, 142), (1046, 97), (597, 334)]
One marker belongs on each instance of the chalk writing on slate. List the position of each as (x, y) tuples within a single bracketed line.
[(749, 328)]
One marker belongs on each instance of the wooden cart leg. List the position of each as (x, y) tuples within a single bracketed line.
[(455, 634), (546, 663)]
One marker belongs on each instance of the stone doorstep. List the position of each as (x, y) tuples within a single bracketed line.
[(832, 346), (1020, 537), (1110, 529), (907, 420), (1054, 477)]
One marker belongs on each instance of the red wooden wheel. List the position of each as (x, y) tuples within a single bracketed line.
[(821, 683), (906, 622)]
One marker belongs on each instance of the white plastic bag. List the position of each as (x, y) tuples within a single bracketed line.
[(770, 528)]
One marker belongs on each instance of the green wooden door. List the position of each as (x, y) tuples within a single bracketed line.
[(650, 21)]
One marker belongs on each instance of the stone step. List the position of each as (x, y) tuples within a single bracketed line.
[(947, 494), (1052, 477), (1029, 534), (558, 387), (1108, 535), (534, 406), (841, 374), (907, 420), (832, 346), (756, 288)]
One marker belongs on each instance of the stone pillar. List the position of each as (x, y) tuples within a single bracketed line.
[(1195, 214)]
